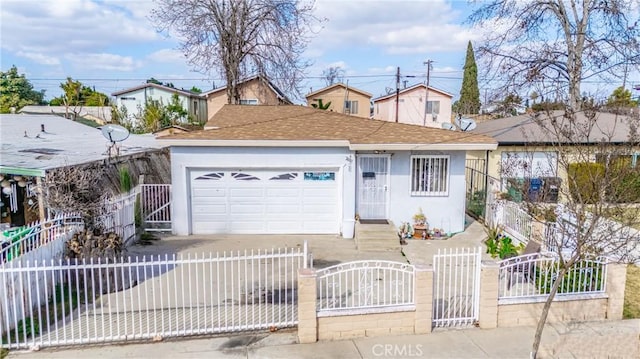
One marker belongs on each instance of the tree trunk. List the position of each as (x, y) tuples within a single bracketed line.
[(547, 306)]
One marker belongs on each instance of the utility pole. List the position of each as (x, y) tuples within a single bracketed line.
[(397, 92), (426, 97)]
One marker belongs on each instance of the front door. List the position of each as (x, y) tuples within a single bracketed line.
[(373, 186)]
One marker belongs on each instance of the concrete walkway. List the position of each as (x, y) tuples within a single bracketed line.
[(420, 251), (603, 339)]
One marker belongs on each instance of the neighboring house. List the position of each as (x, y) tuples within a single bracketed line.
[(135, 99), (33, 145), (99, 114), (411, 107), (256, 90), (526, 152), (295, 169), (342, 99)]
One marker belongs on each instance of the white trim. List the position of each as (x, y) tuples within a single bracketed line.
[(560, 297), (328, 143), (360, 311), (254, 143), (423, 146)]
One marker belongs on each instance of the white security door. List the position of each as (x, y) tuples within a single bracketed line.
[(264, 201), (373, 186)]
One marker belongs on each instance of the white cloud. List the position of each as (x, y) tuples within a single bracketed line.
[(39, 58), (104, 61), (59, 27), (397, 27), (167, 56)]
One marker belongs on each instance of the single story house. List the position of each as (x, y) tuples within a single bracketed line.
[(35, 145), (296, 170), (411, 108), (528, 151), (255, 90), (134, 99), (343, 99)]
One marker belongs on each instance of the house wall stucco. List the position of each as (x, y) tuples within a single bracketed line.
[(337, 97), (412, 107), (185, 158), (446, 212), (153, 93), (251, 90)]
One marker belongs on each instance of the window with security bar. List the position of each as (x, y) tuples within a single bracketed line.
[(430, 175)]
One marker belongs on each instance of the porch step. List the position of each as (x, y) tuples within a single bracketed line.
[(377, 237)]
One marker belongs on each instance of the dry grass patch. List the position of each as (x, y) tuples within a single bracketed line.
[(632, 293)]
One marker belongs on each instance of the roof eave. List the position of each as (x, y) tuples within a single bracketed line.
[(253, 143), (423, 146)]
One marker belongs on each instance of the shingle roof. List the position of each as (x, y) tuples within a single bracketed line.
[(528, 128), (298, 123)]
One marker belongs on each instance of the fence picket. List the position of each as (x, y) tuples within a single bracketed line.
[(141, 298)]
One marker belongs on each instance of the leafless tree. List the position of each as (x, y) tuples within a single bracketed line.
[(241, 37), (598, 215), (76, 189), (333, 74), (557, 43)]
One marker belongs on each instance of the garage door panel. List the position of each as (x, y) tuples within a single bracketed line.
[(246, 209), (210, 209), (288, 204), (274, 210), (283, 192), (209, 192), (206, 227)]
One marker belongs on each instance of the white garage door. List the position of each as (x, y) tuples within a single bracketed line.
[(264, 201)]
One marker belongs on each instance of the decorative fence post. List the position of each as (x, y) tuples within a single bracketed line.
[(424, 298), (615, 284), (307, 316), (489, 283)]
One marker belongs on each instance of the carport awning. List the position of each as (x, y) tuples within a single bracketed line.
[(33, 172)]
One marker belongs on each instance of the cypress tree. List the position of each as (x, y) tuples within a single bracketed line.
[(469, 102)]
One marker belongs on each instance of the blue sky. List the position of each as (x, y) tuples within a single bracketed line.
[(111, 44)]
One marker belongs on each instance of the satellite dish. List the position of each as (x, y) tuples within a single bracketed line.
[(448, 126), (114, 133), (466, 124)]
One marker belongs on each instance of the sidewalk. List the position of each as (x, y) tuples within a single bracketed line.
[(603, 339)]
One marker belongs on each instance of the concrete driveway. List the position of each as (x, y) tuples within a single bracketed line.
[(326, 249)]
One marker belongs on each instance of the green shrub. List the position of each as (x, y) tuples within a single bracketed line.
[(500, 245), (582, 277), (585, 181), (125, 179)]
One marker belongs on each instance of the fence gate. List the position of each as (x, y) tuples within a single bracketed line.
[(456, 287), (155, 202), (64, 302)]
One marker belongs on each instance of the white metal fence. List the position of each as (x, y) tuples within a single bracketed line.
[(456, 286), (32, 237), (63, 302), (365, 285), (120, 215), (517, 222), (155, 203), (532, 276)]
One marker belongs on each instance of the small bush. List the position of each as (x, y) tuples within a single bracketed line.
[(585, 181)]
